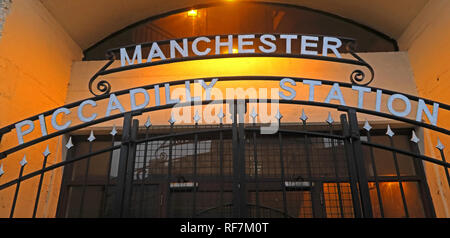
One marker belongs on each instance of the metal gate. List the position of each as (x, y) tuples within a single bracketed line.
[(230, 170)]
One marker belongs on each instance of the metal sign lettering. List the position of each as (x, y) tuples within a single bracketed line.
[(223, 46), (286, 92)]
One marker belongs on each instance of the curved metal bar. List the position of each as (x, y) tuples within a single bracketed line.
[(103, 85), (205, 102), (236, 55), (275, 4), (318, 134), (8, 128), (416, 156), (104, 71), (339, 137), (55, 166), (153, 138), (248, 204), (358, 76)]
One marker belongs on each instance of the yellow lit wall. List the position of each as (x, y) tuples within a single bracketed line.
[(36, 56), (427, 41), (390, 68)]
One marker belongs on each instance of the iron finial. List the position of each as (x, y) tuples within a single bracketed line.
[(46, 152), (253, 115), (196, 117), (69, 143), (278, 115), (171, 120), (24, 161), (221, 115), (91, 136), (389, 132), (148, 123), (439, 145), (113, 131), (303, 117), (329, 119), (367, 126), (1, 170), (414, 137)]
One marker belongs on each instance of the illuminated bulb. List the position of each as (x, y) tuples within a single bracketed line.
[(192, 13), (235, 51)]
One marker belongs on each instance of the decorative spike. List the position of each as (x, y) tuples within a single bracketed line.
[(253, 114), (24, 161), (46, 152), (113, 131), (389, 132), (171, 120), (439, 145), (1, 170), (221, 115), (91, 136), (148, 123), (414, 137), (367, 126), (69, 143), (329, 119), (196, 117), (278, 115), (303, 117)]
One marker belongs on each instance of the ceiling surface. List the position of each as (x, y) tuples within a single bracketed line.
[(89, 21)]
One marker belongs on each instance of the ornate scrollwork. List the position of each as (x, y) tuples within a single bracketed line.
[(103, 86), (358, 77)]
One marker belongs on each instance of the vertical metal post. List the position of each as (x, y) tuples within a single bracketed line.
[(239, 181), (194, 191), (283, 179), (351, 167), (168, 197), (317, 200), (67, 176), (235, 145), (360, 165), (85, 185), (307, 146), (336, 171), (130, 169), (38, 194), (144, 173), (445, 168), (375, 174), (255, 159), (16, 194), (120, 187), (241, 110), (399, 178), (315, 191), (425, 190), (222, 179), (108, 180)]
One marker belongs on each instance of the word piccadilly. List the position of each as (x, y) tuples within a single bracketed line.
[(309, 45), (286, 91)]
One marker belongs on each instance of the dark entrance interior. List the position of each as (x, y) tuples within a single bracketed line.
[(234, 171)]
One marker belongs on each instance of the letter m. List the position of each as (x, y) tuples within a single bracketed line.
[(136, 56)]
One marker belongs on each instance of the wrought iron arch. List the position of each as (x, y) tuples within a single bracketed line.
[(200, 6), (348, 136)]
